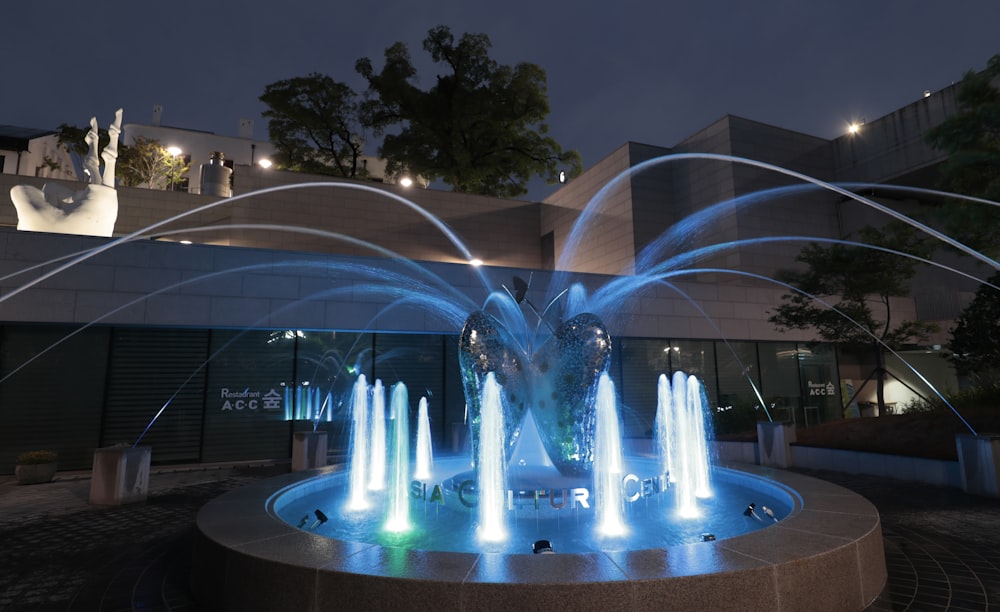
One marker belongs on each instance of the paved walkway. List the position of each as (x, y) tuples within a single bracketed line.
[(58, 553)]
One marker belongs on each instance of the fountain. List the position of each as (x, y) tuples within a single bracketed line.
[(545, 454), (546, 471)]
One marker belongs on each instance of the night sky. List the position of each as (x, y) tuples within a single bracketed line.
[(642, 71)]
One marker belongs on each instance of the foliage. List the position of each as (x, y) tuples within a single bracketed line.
[(147, 163), (314, 125), (981, 397), (971, 137), (975, 339), (479, 128), (856, 277), (36, 457)]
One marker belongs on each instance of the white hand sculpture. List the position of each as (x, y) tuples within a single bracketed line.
[(92, 211)]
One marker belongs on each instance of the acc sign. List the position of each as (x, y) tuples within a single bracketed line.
[(821, 389), (250, 400)]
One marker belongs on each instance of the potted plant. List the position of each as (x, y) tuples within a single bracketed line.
[(35, 467)]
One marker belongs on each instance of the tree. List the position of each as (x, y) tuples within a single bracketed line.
[(975, 339), (857, 278), (147, 163), (971, 137), (314, 125), (479, 128)]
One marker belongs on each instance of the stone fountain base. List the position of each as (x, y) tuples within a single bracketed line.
[(826, 555)]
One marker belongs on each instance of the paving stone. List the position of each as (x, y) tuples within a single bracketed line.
[(60, 554)]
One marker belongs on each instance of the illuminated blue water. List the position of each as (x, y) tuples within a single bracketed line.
[(441, 522)]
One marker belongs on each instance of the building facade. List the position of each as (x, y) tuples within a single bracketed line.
[(212, 329)]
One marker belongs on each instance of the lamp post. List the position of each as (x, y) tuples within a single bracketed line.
[(174, 152)]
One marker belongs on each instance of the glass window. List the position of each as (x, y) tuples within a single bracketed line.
[(820, 383), (642, 361), (738, 407), (779, 381), (697, 358), (245, 400), (416, 360), (327, 367)]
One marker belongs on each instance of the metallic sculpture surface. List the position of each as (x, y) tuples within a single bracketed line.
[(555, 383)]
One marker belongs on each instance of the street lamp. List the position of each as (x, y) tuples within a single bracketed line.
[(174, 152)]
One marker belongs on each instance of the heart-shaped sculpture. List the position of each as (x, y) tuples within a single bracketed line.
[(556, 383)]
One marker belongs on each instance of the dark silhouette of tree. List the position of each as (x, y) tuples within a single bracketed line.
[(971, 137), (975, 339), (480, 128), (314, 125), (857, 281)]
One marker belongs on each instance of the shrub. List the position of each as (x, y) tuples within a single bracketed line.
[(36, 456)]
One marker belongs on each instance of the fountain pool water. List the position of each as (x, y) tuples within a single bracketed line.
[(443, 522), (506, 503)]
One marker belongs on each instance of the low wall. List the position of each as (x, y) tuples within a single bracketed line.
[(937, 472)]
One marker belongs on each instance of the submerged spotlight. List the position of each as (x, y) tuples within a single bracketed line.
[(542, 547), (320, 519)]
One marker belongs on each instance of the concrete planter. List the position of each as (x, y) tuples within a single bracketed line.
[(774, 442), (120, 475), (979, 463), (36, 473), (308, 450)]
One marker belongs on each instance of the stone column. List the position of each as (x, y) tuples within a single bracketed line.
[(979, 463), (774, 441), (308, 450)]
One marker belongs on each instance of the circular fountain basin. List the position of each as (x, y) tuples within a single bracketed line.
[(541, 505), (826, 553)]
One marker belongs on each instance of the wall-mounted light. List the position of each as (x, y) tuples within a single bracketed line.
[(475, 262), (406, 181), (264, 163)]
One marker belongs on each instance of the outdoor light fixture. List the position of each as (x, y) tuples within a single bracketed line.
[(542, 547), (264, 163), (708, 537), (174, 152), (854, 128), (562, 177), (320, 519), (184, 241), (475, 262), (406, 181)]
